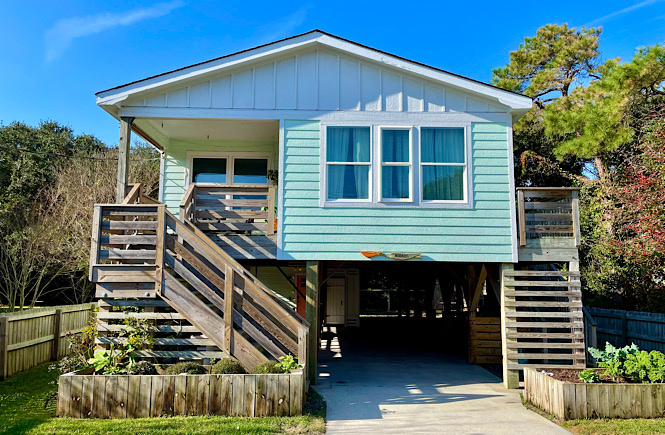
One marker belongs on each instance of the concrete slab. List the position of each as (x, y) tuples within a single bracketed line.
[(378, 386)]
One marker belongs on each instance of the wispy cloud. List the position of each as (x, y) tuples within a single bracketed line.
[(60, 37), (622, 12), (283, 27)]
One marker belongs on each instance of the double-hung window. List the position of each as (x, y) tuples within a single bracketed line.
[(396, 164), (443, 164), (348, 161)]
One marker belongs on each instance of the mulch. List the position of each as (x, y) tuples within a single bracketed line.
[(572, 375)]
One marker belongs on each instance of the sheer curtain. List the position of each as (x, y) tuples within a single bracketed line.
[(395, 178), (348, 145), (442, 181)]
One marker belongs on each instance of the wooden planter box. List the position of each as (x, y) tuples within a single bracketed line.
[(569, 401), (134, 396)]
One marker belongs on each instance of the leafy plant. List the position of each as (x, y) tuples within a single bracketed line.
[(268, 367), (138, 333), (612, 359), (228, 366), (190, 368), (141, 368), (589, 376), (102, 360), (288, 363), (646, 366)]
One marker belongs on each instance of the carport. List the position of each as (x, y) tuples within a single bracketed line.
[(380, 378)]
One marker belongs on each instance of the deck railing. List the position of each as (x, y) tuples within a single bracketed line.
[(548, 212), (237, 209), (142, 251)]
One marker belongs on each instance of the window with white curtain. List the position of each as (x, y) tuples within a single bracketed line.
[(348, 161), (396, 164), (442, 164)]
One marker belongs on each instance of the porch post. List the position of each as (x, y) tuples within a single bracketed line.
[(123, 158), (511, 377), (312, 316)]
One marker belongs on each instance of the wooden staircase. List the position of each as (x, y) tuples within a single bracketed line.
[(203, 304)]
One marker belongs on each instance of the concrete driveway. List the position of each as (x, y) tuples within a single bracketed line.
[(373, 384)]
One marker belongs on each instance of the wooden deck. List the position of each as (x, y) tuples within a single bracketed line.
[(203, 303), (240, 219), (548, 224)]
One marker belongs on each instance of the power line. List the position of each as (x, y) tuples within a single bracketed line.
[(73, 156)]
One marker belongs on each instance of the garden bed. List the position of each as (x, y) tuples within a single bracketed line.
[(84, 395), (568, 400)]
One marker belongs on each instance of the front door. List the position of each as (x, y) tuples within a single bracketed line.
[(229, 168), (335, 304)]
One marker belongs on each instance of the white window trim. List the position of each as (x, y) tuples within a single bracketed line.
[(408, 164), (465, 165), (417, 203), (230, 156), (325, 163)]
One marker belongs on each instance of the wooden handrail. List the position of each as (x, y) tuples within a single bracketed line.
[(291, 330), (217, 207), (133, 195), (188, 200)]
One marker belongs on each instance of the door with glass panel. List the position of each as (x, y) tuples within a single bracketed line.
[(241, 171), (230, 170)]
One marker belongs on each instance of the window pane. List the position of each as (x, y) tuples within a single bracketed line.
[(348, 144), (442, 145), (395, 182), (348, 182), (395, 145), (209, 170), (250, 171), (443, 183)]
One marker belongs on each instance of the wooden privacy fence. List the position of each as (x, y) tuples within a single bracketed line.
[(542, 319), (621, 328), (123, 396), (548, 212), (32, 337)]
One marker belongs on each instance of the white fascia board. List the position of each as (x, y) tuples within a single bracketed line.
[(510, 99), (115, 95)]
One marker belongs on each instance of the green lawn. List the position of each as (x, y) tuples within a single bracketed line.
[(615, 426), (27, 405), (605, 426)]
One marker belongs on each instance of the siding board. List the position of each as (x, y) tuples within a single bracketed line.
[(319, 80), (331, 233)]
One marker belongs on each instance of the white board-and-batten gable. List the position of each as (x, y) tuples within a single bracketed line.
[(313, 72)]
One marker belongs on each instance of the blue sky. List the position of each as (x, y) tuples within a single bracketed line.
[(55, 55)]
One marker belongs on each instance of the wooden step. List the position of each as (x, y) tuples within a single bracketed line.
[(181, 354)]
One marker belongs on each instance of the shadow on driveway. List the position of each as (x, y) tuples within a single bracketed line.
[(399, 376)]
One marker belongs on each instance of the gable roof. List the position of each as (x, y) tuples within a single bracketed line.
[(518, 103)]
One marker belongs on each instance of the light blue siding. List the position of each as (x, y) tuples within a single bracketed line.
[(311, 232)]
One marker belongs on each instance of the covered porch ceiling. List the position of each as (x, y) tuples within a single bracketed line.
[(160, 132)]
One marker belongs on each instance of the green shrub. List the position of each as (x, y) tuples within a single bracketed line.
[(288, 363), (646, 366), (228, 366), (612, 359), (142, 368), (190, 368), (589, 376), (268, 367)]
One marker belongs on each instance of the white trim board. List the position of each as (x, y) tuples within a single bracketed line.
[(229, 156), (416, 201)]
